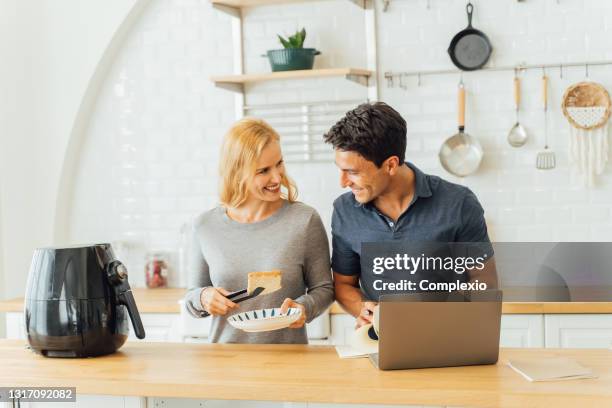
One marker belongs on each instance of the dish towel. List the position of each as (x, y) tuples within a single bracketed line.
[(588, 148)]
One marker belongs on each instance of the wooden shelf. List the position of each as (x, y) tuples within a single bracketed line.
[(251, 3), (236, 82), (255, 3)]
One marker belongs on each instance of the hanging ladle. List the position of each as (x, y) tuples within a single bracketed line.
[(517, 136)]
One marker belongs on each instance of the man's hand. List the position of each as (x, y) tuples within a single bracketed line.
[(287, 303), (215, 302), (366, 315)]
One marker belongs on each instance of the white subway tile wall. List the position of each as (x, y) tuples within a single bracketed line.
[(150, 156)]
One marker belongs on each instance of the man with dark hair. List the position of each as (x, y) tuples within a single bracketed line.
[(390, 200)]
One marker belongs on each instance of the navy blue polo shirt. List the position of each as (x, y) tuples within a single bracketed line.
[(440, 211)]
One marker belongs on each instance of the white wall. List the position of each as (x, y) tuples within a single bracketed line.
[(159, 120), (2, 278), (7, 48), (8, 89), (148, 161), (56, 47)]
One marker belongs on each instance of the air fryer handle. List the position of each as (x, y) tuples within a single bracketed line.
[(126, 298)]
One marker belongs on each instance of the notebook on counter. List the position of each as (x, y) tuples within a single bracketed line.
[(350, 352), (550, 369)]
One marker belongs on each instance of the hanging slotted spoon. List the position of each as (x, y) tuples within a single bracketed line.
[(546, 159)]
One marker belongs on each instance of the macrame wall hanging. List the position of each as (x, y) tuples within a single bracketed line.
[(586, 105)]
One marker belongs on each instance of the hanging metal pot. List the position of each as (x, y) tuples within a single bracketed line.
[(461, 153)]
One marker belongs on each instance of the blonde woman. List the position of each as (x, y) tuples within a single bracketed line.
[(259, 226)]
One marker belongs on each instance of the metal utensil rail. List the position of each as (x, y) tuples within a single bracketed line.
[(390, 75)]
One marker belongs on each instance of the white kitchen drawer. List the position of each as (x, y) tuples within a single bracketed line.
[(192, 326), (89, 401), (342, 325), (198, 403), (193, 403), (158, 327), (319, 328), (522, 330), (516, 330), (15, 326), (578, 330)]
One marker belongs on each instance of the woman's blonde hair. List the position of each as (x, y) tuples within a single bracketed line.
[(241, 148)]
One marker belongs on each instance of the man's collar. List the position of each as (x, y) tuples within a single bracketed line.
[(421, 186), (421, 183)]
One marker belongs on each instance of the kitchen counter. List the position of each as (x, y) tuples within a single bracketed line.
[(300, 373), (166, 301)]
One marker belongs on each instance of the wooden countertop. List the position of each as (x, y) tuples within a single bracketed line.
[(166, 301), (301, 373)]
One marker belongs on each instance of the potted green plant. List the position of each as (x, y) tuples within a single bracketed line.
[(293, 55)]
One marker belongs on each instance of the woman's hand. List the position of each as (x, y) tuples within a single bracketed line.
[(214, 301), (287, 303)]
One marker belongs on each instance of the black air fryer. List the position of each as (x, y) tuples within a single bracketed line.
[(77, 302)]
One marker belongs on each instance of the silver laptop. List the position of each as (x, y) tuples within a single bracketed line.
[(438, 330)]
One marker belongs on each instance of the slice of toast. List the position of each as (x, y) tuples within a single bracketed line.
[(270, 280)]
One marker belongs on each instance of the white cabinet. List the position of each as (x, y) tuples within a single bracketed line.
[(175, 327), (158, 327), (579, 330), (15, 326), (522, 330), (192, 328), (516, 330), (85, 401), (342, 327), (319, 329), (192, 403)]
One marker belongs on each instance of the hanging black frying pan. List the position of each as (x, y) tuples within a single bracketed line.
[(470, 48)]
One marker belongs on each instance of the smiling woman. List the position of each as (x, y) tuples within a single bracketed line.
[(259, 226), (252, 167)]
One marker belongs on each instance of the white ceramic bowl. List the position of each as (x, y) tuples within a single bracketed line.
[(264, 319)]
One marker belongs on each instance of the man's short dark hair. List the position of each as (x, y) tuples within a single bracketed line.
[(374, 130)]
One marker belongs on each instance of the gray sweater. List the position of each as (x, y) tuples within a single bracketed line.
[(292, 240)]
